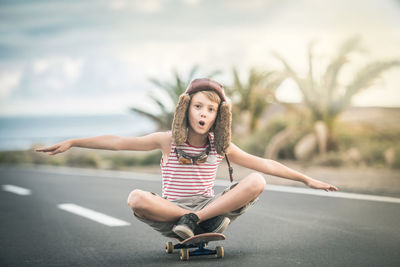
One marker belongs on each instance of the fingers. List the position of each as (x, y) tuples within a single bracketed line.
[(324, 186), (54, 152), (52, 149), (332, 188), (46, 149)]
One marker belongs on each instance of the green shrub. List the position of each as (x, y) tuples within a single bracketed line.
[(83, 160), (396, 161), (56, 161), (120, 161), (14, 157), (152, 158), (257, 142)]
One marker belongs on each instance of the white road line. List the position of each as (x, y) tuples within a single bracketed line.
[(16, 190), (92, 215), (315, 192), (157, 177), (297, 190)]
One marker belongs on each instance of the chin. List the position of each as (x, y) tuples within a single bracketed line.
[(201, 131)]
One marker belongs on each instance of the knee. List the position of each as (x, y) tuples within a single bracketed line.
[(256, 183), (136, 199)]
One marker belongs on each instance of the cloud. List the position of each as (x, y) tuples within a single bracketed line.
[(108, 103), (70, 68), (117, 4), (97, 49), (191, 2), (9, 81), (146, 7), (51, 74), (149, 6), (104, 83)]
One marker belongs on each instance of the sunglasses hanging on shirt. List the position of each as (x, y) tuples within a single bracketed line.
[(186, 159)]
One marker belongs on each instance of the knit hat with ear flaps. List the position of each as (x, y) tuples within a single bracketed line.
[(222, 124)]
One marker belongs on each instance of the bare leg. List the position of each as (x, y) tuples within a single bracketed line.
[(247, 190), (155, 208)]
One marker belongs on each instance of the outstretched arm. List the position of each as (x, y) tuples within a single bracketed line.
[(272, 167), (111, 142)]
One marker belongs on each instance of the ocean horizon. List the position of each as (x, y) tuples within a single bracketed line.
[(22, 132)]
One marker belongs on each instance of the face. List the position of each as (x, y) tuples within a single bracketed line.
[(202, 113)]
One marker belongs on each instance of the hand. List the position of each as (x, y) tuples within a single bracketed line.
[(321, 185), (57, 148)]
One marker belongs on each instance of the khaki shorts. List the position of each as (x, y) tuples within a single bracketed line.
[(194, 203)]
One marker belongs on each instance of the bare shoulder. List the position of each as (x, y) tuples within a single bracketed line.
[(161, 138), (237, 155), (233, 149), (244, 159)]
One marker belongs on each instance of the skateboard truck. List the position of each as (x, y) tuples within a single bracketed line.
[(200, 242)]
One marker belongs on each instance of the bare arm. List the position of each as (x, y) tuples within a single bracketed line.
[(111, 142), (272, 167)]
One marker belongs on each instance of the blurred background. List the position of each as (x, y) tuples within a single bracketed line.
[(314, 84)]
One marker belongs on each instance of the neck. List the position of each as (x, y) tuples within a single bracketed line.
[(197, 139)]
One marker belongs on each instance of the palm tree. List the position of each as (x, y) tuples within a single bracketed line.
[(173, 89), (252, 98), (326, 98)]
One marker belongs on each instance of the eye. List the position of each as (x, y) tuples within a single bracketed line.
[(211, 109), (197, 106)]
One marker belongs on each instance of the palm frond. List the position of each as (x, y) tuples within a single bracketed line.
[(192, 72), (151, 116), (303, 86), (214, 73), (160, 103), (363, 80), (330, 77), (157, 83), (292, 74), (236, 80), (310, 77)]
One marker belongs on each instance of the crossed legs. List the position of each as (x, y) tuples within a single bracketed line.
[(155, 208)]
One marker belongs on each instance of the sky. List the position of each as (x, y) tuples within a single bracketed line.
[(96, 57)]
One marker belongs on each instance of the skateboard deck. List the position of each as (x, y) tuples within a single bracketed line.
[(199, 243)]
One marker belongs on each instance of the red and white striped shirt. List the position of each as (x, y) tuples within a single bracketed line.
[(188, 180)]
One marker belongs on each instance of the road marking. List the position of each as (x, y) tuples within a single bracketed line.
[(16, 190), (156, 177), (315, 192), (92, 215)]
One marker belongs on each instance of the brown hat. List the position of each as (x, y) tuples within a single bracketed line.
[(205, 84), (222, 124)]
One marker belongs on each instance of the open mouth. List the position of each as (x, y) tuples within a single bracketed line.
[(202, 123)]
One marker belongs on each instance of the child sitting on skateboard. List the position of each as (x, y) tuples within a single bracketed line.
[(191, 152)]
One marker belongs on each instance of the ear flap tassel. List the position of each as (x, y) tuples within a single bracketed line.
[(179, 124), (222, 131)]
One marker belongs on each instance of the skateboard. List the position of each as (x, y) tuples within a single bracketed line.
[(198, 241)]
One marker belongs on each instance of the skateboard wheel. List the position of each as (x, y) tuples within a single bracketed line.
[(169, 247), (184, 254), (220, 251)]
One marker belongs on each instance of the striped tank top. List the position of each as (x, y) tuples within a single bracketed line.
[(188, 180)]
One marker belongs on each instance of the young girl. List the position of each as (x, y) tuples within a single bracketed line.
[(191, 153)]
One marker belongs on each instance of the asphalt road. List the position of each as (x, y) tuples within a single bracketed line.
[(282, 229)]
